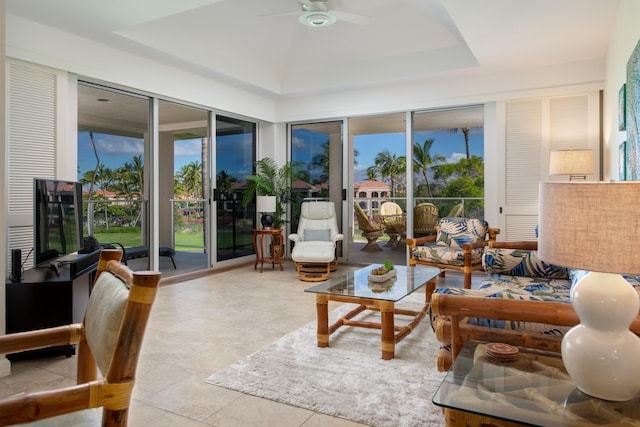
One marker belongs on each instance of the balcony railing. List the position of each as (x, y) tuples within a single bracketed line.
[(472, 207)]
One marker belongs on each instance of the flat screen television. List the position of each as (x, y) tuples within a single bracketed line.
[(57, 218)]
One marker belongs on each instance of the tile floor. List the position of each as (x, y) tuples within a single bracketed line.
[(197, 327)]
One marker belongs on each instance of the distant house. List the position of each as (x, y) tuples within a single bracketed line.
[(370, 194)]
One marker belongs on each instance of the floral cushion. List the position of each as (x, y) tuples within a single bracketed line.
[(446, 255), (519, 262), (455, 231), (528, 289)]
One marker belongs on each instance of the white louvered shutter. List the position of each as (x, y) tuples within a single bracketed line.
[(31, 131)]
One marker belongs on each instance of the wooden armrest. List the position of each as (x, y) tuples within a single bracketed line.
[(527, 245), (40, 338), (555, 313), (467, 247), (493, 232), (27, 407), (413, 242)]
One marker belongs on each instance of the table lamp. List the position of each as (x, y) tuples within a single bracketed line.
[(592, 226), (575, 163), (266, 205)]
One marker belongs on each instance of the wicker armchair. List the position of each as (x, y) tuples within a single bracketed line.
[(425, 219), (394, 222), (109, 342), (458, 245), (370, 230)]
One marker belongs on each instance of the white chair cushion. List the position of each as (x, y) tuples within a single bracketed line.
[(315, 251)]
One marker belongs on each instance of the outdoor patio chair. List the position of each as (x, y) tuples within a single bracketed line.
[(456, 211), (108, 342), (316, 241), (425, 219), (393, 219), (370, 230)]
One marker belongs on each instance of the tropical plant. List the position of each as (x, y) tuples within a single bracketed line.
[(423, 160), (391, 166), (271, 180), (465, 133)]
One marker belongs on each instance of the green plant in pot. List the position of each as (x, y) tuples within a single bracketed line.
[(273, 180)]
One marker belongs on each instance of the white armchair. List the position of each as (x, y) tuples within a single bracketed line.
[(314, 251)]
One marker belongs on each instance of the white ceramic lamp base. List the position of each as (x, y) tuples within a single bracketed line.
[(601, 355)]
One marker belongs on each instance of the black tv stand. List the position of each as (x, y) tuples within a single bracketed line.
[(54, 293)]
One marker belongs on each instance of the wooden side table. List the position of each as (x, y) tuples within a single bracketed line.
[(274, 248)]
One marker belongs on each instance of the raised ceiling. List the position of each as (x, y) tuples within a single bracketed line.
[(259, 45)]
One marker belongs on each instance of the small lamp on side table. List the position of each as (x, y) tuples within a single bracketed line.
[(575, 163), (266, 205), (592, 226)]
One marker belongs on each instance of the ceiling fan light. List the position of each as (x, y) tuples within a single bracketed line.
[(317, 19)]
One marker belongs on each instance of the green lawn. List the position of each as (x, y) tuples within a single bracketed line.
[(183, 241)]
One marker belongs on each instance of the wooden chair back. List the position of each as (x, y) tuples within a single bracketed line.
[(109, 341)]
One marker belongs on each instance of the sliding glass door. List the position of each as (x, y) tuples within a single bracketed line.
[(317, 148), (183, 141), (113, 142), (235, 156), (379, 177)]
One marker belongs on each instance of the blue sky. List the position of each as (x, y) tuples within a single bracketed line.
[(114, 151), (449, 144)]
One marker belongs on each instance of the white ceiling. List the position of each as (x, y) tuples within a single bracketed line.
[(260, 45)]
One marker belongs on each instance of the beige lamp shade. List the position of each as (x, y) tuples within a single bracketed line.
[(571, 162), (266, 204), (590, 225)]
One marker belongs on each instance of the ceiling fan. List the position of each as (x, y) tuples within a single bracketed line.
[(317, 13)]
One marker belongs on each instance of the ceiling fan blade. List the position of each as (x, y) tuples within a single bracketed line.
[(350, 17), (281, 14)]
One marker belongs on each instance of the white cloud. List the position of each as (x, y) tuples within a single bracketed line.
[(456, 157), (120, 145), (190, 147)]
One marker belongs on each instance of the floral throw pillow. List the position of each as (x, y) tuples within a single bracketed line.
[(456, 231)]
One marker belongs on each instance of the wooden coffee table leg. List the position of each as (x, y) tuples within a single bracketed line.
[(388, 333), (322, 308)]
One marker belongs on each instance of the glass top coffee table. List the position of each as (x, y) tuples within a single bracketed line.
[(532, 388), (354, 287)]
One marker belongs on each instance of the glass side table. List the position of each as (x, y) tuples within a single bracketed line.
[(533, 389)]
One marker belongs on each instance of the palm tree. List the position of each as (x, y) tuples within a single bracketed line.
[(372, 173), (191, 177), (465, 133), (224, 180), (392, 166), (422, 160), (321, 160), (137, 168)]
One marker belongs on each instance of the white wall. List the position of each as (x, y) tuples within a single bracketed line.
[(450, 89), (623, 41)]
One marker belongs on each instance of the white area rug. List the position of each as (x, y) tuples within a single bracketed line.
[(348, 379)]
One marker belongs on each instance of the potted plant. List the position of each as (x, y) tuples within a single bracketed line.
[(271, 180), (382, 273)]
